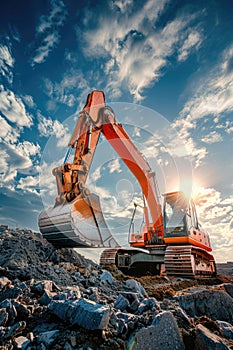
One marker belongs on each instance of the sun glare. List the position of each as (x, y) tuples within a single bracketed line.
[(192, 188)]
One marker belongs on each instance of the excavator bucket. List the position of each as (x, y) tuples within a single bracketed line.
[(79, 223)]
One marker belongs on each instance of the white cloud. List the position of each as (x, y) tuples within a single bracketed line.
[(28, 100), (212, 98), (212, 137), (215, 213), (95, 175), (14, 161), (192, 42), (6, 63), (48, 127), (71, 90), (28, 183), (13, 108), (229, 129), (123, 5), (48, 30), (46, 46), (114, 166), (28, 148), (137, 50), (8, 134), (214, 94)]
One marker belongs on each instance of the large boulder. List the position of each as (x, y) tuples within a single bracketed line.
[(205, 339), (215, 304), (82, 312), (163, 334)]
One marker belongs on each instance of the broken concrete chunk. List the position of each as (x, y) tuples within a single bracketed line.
[(226, 328), (136, 286), (46, 298), (10, 309), (59, 308), (148, 304), (133, 299), (91, 315), (10, 293), (207, 340), (228, 288), (121, 303), (82, 312), (3, 317), (204, 302), (21, 343), (162, 335), (16, 329), (42, 286), (107, 276), (5, 282), (21, 309), (182, 318), (48, 338)]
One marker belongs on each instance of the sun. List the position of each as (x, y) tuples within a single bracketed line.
[(197, 190), (192, 188)]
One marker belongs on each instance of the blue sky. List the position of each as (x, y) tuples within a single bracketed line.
[(174, 58)]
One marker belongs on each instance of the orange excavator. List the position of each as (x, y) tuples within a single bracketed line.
[(171, 239)]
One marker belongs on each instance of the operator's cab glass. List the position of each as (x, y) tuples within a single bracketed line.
[(176, 208)]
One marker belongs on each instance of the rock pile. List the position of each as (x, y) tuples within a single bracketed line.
[(57, 299)]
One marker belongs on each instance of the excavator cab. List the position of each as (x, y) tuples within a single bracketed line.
[(181, 223), (188, 245), (176, 208)]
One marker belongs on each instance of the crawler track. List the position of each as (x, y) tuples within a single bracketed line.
[(108, 257), (189, 262)]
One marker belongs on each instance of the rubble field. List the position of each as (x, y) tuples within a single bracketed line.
[(56, 299)]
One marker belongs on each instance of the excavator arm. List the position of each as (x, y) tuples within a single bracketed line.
[(71, 178)]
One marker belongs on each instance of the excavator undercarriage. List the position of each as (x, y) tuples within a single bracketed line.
[(175, 261)]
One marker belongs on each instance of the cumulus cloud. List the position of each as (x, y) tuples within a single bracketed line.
[(8, 134), (114, 166), (28, 148), (212, 137), (47, 31), (12, 107), (28, 101), (13, 161), (48, 127), (6, 63), (136, 50), (28, 183), (215, 214)]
